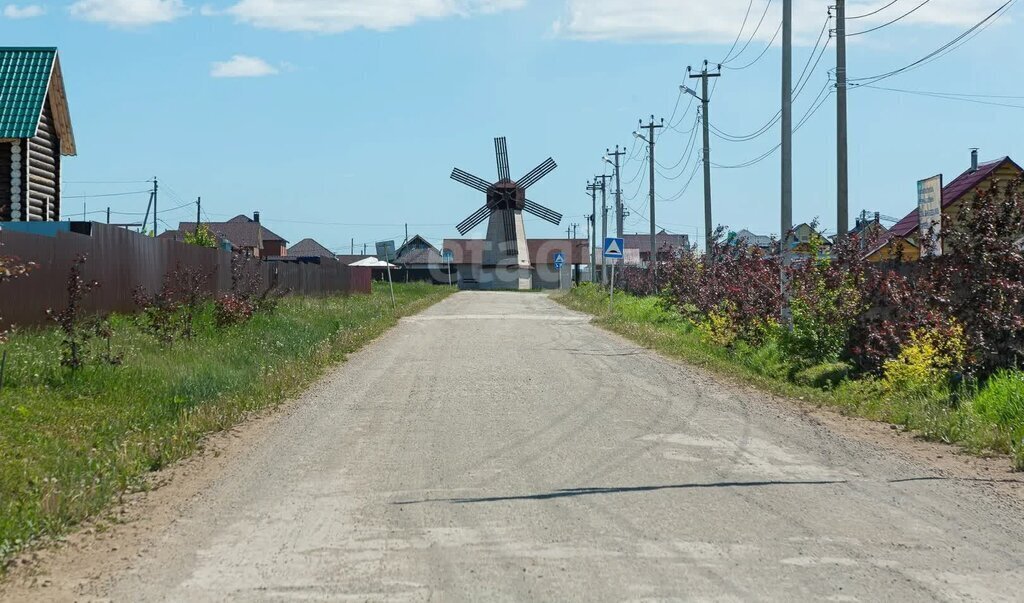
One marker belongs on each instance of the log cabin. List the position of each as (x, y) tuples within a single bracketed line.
[(35, 132)]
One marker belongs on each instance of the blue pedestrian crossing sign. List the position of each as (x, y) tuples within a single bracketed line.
[(559, 260), (613, 248)]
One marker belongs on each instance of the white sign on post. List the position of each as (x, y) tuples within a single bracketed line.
[(613, 250), (929, 211)]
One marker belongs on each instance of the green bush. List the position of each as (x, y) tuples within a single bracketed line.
[(825, 375)]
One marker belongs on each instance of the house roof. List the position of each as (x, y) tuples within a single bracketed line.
[(542, 251), (28, 76), (661, 239), (417, 250), (241, 230), (349, 259), (951, 193), (310, 249)]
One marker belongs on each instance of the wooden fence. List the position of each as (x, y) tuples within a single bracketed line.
[(122, 261)]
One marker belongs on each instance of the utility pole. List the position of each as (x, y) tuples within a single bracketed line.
[(592, 189), (704, 100), (619, 214), (406, 234), (364, 248), (650, 155), (155, 188), (842, 156), (352, 248), (199, 208), (787, 155), (108, 215), (604, 221)]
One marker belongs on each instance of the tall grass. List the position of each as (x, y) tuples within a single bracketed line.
[(70, 442), (984, 419)]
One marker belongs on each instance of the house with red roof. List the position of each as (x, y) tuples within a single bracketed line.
[(905, 235)]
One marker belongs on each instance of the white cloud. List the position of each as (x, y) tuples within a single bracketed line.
[(700, 21), (334, 16), (128, 13), (241, 65), (13, 11)]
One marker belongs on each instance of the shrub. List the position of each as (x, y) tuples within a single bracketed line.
[(718, 327), (170, 313), (10, 269), (929, 359), (76, 331), (201, 236), (232, 309)]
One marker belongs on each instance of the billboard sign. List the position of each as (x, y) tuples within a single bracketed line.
[(929, 211)]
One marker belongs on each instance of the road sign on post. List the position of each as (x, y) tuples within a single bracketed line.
[(613, 250), (559, 260), (386, 251)]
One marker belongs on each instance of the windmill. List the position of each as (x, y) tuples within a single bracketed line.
[(505, 204)]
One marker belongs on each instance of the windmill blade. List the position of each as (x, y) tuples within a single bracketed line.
[(511, 241), (473, 220), (542, 212), (470, 180), (537, 173), (501, 151)]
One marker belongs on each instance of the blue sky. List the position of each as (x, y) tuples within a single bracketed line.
[(342, 119)]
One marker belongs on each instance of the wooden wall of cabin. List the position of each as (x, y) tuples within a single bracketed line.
[(43, 167), (5, 180)]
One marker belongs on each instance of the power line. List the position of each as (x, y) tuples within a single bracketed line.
[(739, 33), (952, 97), (874, 12), (103, 195), (752, 34), (763, 52), (896, 20), (943, 50)]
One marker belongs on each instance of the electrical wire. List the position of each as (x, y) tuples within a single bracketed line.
[(685, 157), (874, 12), (952, 97), (104, 195), (739, 33), (752, 34), (763, 52), (686, 186), (896, 20), (943, 50)]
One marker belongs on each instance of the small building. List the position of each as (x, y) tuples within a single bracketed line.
[(746, 237), (805, 238), (420, 261), (637, 247), (246, 235), (467, 257), (905, 235), (35, 132), (309, 248)]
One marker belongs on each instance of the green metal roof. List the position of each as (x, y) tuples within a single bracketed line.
[(24, 80)]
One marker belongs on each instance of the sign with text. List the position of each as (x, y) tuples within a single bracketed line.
[(929, 211)]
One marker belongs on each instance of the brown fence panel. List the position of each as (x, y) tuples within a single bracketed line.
[(122, 261)]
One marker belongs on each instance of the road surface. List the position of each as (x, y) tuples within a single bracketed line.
[(499, 447)]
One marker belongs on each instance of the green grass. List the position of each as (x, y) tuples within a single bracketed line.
[(987, 420), (70, 443)]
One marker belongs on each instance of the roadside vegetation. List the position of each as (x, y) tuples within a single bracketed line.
[(89, 407), (934, 345)]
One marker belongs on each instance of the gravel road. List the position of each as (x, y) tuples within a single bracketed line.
[(499, 447)]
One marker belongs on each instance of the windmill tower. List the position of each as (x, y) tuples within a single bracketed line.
[(506, 258)]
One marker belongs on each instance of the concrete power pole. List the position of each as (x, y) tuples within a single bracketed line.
[(842, 156), (618, 187), (604, 220), (704, 100), (199, 208), (786, 224), (651, 127), (592, 189), (155, 187)]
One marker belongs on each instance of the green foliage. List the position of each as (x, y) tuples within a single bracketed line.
[(829, 374), (70, 442), (1001, 403), (201, 236), (928, 360)]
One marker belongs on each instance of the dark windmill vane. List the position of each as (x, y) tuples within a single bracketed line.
[(506, 200)]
